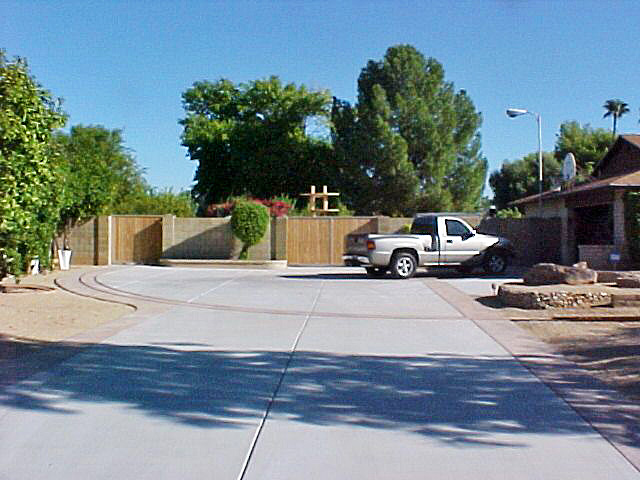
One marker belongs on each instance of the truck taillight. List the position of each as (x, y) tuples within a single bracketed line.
[(371, 245)]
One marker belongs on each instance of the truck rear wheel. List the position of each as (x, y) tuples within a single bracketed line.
[(403, 265)]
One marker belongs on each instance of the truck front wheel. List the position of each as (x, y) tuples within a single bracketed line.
[(403, 265), (495, 262)]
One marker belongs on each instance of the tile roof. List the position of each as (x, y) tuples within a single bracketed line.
[(627, 180)]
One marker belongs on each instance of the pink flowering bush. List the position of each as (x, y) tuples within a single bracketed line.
[(278, 207)]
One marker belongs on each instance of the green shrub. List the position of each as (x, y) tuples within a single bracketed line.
[(509, 213), (249, 222), (152, 201), (632, 224)]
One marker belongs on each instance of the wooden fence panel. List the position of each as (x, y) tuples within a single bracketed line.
[(137, 239), (308, 241), (322, 240), (343, 226)]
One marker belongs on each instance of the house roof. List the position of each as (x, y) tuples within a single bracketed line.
[(619, 181), (634, 140), (628, 179)]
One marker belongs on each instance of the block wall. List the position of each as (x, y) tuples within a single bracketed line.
[(598, 256), (535, 240), (206, 239), (83, 241)]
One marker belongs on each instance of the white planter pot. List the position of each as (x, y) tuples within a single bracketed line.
[(35, 266), (65, 259)]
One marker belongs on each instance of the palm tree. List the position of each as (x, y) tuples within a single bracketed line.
[(615, 108)]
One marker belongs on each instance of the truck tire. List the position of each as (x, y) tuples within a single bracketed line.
[(403, 265), (375, 272), (495, 262)]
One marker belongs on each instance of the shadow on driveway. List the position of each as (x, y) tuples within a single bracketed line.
[(439, 273), (451, 398)]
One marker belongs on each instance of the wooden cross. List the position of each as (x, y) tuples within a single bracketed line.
[(313, 196)]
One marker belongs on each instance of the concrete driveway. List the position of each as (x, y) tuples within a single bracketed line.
[(301, 373)]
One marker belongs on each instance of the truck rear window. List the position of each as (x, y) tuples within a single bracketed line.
[(423, 226)]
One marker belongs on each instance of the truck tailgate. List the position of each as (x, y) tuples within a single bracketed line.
[(357, 244)]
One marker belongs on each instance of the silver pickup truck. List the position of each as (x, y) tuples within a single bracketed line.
[(434, 241)]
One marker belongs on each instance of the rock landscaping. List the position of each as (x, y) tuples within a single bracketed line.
[(551, 296), (547, 285)]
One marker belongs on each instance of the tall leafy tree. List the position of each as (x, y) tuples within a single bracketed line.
[(380, 179), (438, 126), (101, 175), (519, 178), (615, 108), (30, 182), (587, 144), (250, 139)]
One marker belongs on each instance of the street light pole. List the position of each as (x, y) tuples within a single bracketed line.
[(516, 112)]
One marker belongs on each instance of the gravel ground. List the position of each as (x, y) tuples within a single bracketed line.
[(36, 318)]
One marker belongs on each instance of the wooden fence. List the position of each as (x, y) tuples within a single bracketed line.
[(137, 239), (122, 239), (322, 240)]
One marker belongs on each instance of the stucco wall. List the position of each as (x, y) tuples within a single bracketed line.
[(208, 238)]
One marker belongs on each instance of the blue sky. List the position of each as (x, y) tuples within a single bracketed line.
[(125, 64)]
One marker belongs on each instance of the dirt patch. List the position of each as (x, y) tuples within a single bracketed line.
[(603, 340), (609, 350), (34, 316)]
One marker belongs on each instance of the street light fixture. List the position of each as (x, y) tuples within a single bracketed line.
[(516, 112)]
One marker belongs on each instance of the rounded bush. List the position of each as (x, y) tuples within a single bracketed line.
[(249, 222)]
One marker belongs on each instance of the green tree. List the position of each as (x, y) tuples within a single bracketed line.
[(519, 178), (30, 186), (438, 127), (615, 108), (250, 139), (152, 201), (101, 175), (382, 180), (588, 145)]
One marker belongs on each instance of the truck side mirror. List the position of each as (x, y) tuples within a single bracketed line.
[(468, 235)]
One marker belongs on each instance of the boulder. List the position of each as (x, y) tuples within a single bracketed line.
[(551, 274), (628, 281)]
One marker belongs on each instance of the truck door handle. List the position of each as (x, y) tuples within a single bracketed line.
[(449, 241)]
